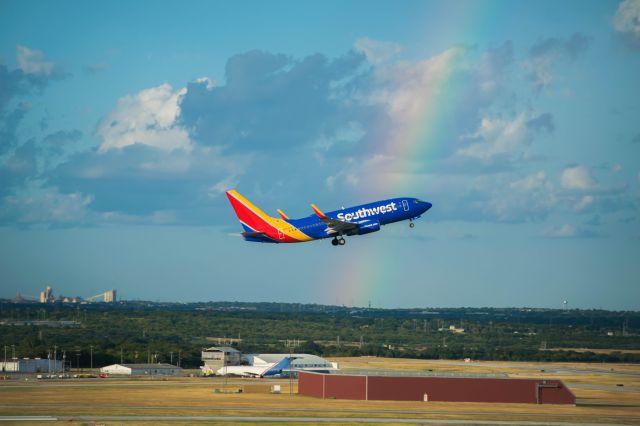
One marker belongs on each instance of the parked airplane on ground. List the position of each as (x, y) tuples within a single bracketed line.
[(358, 220), (266, 370)]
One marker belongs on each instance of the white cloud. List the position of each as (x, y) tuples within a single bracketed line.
[(578, 178), (377, 51), (534, 181), (209, 84), (37, 204), (540, 72), (222, 186), (531, 197), (348, 178), (570, 231), (408, 84), (496, 136), (33, 62), (626, 21), (584, 202), (158, 217), (362, 170), (170, 165), (148, 118), (344, 136), (503, 139), (563, 231), (163, 217), (545, 54)]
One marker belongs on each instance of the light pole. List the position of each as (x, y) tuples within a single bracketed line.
[(91, 356), (224, 364)]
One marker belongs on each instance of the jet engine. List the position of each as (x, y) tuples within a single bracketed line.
[(368, 226)]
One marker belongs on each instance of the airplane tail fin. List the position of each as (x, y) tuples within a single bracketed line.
[(284, 364), (251, 217), (259, 226)]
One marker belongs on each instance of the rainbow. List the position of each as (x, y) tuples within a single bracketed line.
[(423, 117)]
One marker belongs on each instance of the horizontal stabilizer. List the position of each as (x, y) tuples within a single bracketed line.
[(253, 234)]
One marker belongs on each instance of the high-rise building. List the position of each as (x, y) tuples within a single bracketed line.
[(110, 296), (46, 295)]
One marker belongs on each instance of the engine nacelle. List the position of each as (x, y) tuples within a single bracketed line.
[(368, 226)]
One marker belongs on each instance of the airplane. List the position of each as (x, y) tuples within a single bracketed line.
[(358, 220), (265, 370)]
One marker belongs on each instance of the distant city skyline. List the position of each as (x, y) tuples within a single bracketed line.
[(122, 124)]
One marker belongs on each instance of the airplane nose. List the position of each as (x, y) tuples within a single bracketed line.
[(427, 205)]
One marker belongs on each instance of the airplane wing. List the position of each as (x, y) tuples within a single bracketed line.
[(335, 225)]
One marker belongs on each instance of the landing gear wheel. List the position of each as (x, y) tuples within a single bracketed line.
[(341, 241), (411, 224), (334, 242)]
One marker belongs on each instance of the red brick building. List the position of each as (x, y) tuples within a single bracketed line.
[(452, 389)]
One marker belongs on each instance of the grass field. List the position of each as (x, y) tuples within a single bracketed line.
[(114, 401)]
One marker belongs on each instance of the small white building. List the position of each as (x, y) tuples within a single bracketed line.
[(142, 369), (27, 365)]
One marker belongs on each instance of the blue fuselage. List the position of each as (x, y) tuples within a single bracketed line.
[(383, 212)]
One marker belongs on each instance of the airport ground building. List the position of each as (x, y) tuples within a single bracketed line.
[(441, 389), (302, 362), (142, 370), (219, 356), (27, 365)]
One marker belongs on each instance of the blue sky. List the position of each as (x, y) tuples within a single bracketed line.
[(122, 123)]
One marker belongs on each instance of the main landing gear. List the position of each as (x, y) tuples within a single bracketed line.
[(338, 241)]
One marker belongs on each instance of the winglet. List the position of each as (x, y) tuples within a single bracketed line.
[(282, 215), (318, 212)]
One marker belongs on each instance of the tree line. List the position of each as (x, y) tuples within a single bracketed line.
[(140, 332)]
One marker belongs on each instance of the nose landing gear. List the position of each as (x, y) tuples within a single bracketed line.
[(411, 224)]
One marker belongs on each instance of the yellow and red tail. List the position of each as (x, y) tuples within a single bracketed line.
[(257, 222)]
